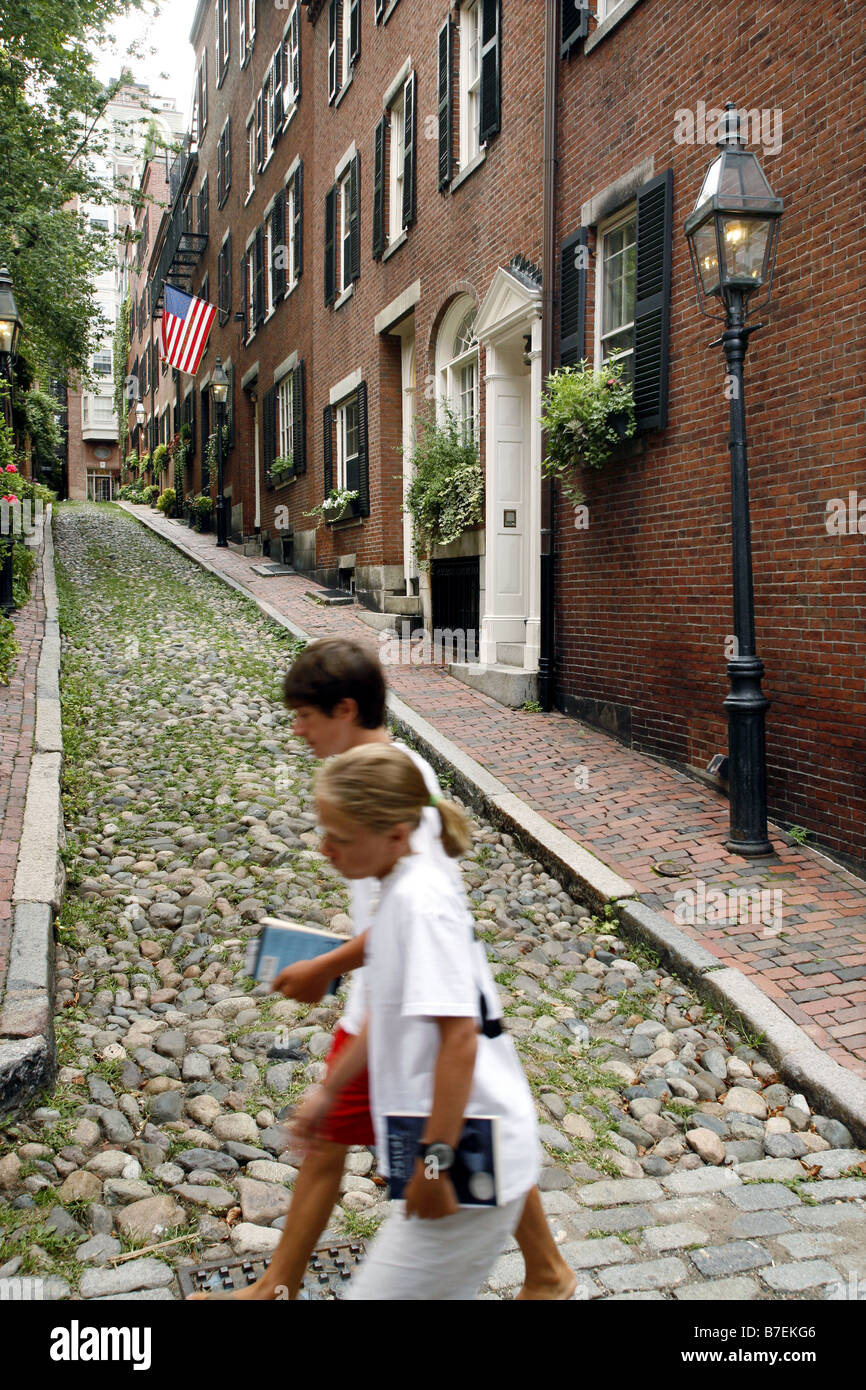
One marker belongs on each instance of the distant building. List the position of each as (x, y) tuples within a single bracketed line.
[(136, 120)]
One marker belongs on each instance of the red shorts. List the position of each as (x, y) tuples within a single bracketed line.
[(350, 1121)]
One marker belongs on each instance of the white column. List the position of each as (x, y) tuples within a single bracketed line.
[(487, 639), (533, 619), (410, 564)]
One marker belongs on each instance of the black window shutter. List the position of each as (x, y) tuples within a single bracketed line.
[(328, 448), (575, 24), (227, 272), (653, 300), (363, 452), (260, 274), (331, 245), (278, 245), (230, 406), (572, 299), (227, 158), (379, 10), (298, 228), (332, 50), (260, 143), (221, 191), (245, 294), (379, 189), (354, 30), (355, 216), (490, 69), (443, 105), (409, 151), (269, 432), (299, 421), (296, 52), (221, 281)]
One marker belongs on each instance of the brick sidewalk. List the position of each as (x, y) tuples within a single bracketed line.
[(632, 812), (17, 727)]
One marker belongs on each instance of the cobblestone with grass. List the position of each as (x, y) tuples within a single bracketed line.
[(677, 1165)]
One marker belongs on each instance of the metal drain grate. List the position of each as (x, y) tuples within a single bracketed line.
[(328, 1272)]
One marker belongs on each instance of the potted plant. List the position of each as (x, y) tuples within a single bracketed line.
[(202, 512), (445, 495), (586, 415), (339, 504), (166, 500), (160, 459), (281, 468)]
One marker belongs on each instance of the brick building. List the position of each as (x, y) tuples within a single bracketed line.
[(644, 593), (370, 191)]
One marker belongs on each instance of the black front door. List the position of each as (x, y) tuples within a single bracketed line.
[(454, 591)]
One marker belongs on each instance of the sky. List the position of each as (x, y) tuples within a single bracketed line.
[(165, 60)]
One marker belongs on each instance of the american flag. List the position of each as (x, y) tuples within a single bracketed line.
[(186, 323)]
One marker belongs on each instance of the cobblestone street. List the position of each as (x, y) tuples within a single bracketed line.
[(678, 1165)]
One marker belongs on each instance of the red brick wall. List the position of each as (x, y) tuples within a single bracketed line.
[(455, 244), (644, 599)]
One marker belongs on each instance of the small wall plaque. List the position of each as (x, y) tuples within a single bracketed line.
[(509, 517)]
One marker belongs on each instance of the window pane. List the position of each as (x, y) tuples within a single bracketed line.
[(351, 419)]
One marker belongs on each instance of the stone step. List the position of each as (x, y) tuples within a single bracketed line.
[(511, 686), (390, 622), (330, 598), (401, 603)]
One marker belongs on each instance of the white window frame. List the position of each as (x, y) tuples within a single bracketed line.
[(267, 117), (469, 84), (603, 231), (342, 414), (343, 233), (247, 30), (450, 366), (252, 161), (396, 139), (289, 66), (289, 230), (285, 416), (605, 8), (345, 69)]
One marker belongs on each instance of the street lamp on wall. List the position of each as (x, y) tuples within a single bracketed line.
[(219, 386), (733, 234), (140, 414)]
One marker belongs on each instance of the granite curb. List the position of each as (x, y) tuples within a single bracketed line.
[(27, 1045), (829, 1087)]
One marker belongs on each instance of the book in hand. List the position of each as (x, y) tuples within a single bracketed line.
[(475, 1173), (284, 943)]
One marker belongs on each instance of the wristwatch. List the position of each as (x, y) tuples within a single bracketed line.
[(436, 1156)]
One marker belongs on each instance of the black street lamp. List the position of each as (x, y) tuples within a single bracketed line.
[(219, 385), (10, 331), (733, 234)]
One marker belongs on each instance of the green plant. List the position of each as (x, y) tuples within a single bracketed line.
[(585, 414), (332, 505), (531, 707), (445, 495), (143, 464), (211, 448), (151, 492), (8, 648), (799, 834), (23, 565), (160, 459), (282, 467), (130, 463), (166, 501)]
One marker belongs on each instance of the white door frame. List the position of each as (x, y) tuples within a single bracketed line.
[(511, 311)]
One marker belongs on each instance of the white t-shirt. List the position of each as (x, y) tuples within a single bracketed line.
[(423, 963), (426, 839)]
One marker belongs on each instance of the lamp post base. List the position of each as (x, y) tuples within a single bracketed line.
[(746, 706), (221, 530)]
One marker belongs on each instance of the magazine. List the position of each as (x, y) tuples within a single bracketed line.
[(475, 1173), (283, 943)]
